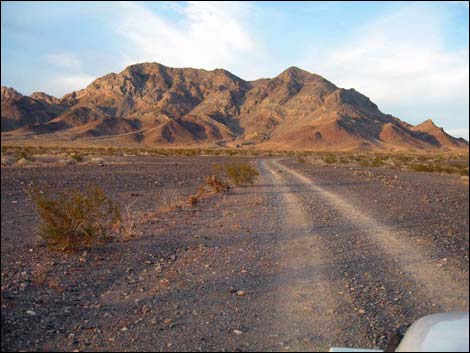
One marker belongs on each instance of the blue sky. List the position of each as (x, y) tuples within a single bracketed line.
[(411, 58)]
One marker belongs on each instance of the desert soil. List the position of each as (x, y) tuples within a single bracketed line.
[(307, 258)]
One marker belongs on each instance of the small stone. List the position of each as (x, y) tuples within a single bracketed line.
[(30, 312), (237, 332), (124, 329), (361, 311), (241, 293)]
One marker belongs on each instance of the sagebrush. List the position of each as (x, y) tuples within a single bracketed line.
[(241, 173), (75, 219)]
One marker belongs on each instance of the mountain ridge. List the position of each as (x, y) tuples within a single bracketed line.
[(151, 104)]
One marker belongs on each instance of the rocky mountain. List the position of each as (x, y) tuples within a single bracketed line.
[(19, 110), (153, 105)]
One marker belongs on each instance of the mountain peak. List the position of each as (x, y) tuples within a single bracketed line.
[(41, 96), (428, 124), (158, 105), (9, 92), (294, 71)]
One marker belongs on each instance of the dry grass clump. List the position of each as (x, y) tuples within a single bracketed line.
[(130, 222), (217, 185), (301, 160), (199, 195), (329, 158), (77, 157), (75, 219), (241, 173), (24, 154)]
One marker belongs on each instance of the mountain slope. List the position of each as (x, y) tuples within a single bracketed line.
[(151, 104), (19, 110)]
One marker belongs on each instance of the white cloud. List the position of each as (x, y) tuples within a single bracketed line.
[(464, 3), (64, 60), (459, 133), (400, 60), (207, 35), (57, 85)]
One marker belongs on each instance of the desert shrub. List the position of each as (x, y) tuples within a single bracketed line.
[(329, 158), (23, 154), (130, 222), (422, 158), (421, 167), (193, 200), (397, 164), (75, 219), (77, 157), (344, 160), (364, 162), (219, 186), (241, 173), (377, 162)]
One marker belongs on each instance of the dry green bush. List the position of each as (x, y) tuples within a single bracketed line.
[(75, 219), (241, 173)]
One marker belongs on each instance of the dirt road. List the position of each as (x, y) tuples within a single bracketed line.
[(309, 257), (357, 277)]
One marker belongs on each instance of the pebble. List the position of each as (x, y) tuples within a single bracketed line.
[(30, 312), (237, 332)]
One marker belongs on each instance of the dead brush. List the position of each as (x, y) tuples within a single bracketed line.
[(200, 194), (170, 204), (217, 185), (131, 222)]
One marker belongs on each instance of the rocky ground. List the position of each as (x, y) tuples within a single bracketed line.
[(309, 257)]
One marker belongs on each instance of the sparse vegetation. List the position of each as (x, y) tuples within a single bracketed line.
[(217, 185), (75, 219), (447, 162), (130, 222), (301, 159), (241, 173), (329, 159), (24, 154), (77, 157), (195, 198)]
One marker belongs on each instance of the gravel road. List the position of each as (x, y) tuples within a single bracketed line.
[(308, 258)]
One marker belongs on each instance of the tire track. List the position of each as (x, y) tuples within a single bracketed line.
[(437, 284), (303, 317)]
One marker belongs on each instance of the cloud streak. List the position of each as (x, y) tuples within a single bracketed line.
[(400, 61), (207, 35), (459, 133), (64, 60)]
